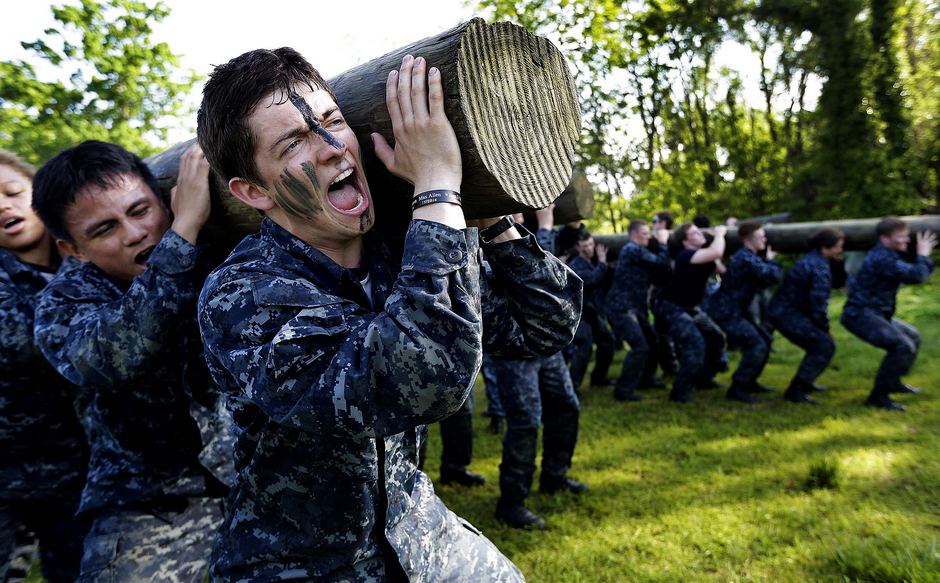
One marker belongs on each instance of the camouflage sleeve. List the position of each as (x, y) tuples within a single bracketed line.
[(658, 262), (900, 270), (308, 364), (531, 300), (92, 338), (819, 291), (16, 325), (547, 240), (765, 272), (590, 274)]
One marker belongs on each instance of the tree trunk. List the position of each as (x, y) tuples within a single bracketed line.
[(510, 98), (794, 237), (576, 203)]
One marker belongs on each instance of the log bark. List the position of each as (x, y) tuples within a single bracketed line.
[(794, 237), (576, 202), (510, 98)]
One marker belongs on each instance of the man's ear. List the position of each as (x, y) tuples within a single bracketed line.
[(69, 249), (250, 194)]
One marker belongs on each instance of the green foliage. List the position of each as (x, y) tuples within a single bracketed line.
[(715, 492), (111, 82), (664, 127)]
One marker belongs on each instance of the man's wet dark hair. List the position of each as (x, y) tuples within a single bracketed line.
[(826, 239), (65, 175), (232, 92), (748, 229), (701, 221), (889, 225), (584, 235), (666, 217), (635, 224)]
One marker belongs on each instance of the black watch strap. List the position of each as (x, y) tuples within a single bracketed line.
[(496, 229)]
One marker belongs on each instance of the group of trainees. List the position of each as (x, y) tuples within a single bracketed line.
[(674, 271), (168, 412)]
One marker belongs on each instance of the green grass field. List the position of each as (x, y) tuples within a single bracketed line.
[(721, 491)]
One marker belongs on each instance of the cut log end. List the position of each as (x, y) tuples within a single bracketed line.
[(521, 108)]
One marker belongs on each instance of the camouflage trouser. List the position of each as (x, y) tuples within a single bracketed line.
[(457, 436), (817, 343), (530, 390), (170, 543), (699, 343), (754, 343), (899, 338), (591, 330), (494, 408), (53, 522), (639, 364)]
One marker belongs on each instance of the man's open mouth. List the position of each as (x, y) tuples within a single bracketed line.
[(142, 257), (346, 195), (11, 223)]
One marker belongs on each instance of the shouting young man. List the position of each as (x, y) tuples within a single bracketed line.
[(335, 354)]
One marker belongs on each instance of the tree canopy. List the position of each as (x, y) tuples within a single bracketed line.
[(97, 74), (667, 127)]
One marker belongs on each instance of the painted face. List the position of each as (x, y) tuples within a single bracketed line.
[(586, 248), (116, 228), (20, 227), (641, 235), (758, 240), (309, 160), (898, 240), (694, 238)]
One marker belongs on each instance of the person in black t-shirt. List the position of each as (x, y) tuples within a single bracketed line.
[(697, 339)]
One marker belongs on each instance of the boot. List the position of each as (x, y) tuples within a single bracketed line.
[(796, 392), (738, 393), (518, 516)]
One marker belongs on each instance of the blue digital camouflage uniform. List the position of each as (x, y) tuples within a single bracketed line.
[(330, 390), (800, 311), (42, 468), (534, 391), (628, 311), (869, 313), (698, 341), (134, 350), (593, 328), (729, 307)]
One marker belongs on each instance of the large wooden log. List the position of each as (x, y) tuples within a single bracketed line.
[(794, 237), (576, 202), (510, 98)]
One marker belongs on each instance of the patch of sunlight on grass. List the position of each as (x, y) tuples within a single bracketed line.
[(872, 463)]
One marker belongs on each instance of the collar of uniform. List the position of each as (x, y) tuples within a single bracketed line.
[(323, 271), (14, 267)]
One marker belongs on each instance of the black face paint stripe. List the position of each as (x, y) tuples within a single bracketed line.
[(304, 108)]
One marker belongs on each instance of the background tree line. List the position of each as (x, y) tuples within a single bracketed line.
[(666, 127)]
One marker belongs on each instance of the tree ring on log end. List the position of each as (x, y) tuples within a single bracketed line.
[(521, 109)]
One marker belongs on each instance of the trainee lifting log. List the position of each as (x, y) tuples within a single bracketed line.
[(510, 98), (794, 237)]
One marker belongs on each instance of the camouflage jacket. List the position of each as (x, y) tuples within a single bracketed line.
[(134, 349), (43, 445), (747, 274), (636, 269), (330, 388), (875, 287), (805, 290), (593, 276)]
